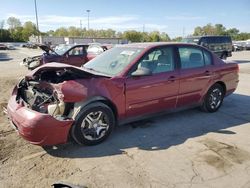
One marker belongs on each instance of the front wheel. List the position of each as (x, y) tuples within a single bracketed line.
[(93, 124), (224, 56), (213, 99)]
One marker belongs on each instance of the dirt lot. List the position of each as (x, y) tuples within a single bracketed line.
[(184, 149)]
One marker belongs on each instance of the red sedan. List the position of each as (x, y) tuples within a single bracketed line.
[(123, 84)]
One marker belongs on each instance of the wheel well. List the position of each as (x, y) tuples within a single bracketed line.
[(79, 105), (109, 104), (223, 86)]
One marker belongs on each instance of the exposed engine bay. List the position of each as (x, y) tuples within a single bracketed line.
[(42, 91), (31, 60)]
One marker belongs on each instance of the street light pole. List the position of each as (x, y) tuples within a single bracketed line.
[(88, 11), (36, 17)]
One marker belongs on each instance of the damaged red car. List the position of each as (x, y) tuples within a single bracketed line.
[(124, 84)]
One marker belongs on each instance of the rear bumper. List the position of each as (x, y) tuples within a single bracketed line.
[(37, 128)]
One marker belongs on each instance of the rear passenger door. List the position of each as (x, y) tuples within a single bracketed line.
[(195, 74)]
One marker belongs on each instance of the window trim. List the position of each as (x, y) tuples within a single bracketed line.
[(211, 57)]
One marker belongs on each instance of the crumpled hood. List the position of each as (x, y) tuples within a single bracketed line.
[(57, 66), (46, 48)]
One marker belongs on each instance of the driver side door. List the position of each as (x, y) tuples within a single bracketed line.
[(156, 92)]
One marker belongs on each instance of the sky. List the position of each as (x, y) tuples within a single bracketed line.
[(175, 17)]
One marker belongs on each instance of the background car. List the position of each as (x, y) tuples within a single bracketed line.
[(246, 45), (3, 47), (10, 46), (220, 45), (70, 54)]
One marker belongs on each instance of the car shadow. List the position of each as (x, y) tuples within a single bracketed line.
[(164, 131), (242, 61), (4, 56)]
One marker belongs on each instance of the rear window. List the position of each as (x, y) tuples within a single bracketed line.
[(218, 39)]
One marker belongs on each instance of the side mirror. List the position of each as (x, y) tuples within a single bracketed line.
[(67, 55), (142, 71)]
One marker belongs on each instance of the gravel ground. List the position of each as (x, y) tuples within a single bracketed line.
[(184, 149)]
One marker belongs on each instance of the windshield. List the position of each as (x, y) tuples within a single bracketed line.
[(191, 40), (61, 49), (113, 61)]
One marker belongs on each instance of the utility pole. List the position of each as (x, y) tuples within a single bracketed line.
[(37, 27), (88, 11), (81, 27)]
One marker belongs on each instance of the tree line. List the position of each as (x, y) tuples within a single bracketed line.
[(21, 32), (16, 31), (219, 29)]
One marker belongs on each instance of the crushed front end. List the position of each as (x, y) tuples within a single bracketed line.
[(41, 105)]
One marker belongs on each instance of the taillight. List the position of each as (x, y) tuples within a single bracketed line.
[(238, 68)]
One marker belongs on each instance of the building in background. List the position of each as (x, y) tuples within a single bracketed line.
[(74, 40)]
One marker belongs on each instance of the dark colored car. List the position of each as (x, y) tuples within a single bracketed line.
[(70, 54), (220, 45), (123, 84), (3, 47)]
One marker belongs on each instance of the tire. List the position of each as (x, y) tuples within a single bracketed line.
[(224, 56), (213, 99), (93, 124)]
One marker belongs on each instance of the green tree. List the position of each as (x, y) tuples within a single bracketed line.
[(133, 36), (50, 33), (74, 32), (61, 32), (13, 23), (29, 29), (177, 39), (220, 29), (154, 36), (198, 31), (233, 32), (164, 37), (16, 35)]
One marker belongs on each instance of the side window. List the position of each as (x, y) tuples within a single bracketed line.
[(207, 58), (77, 51), (159, 60), (191, 57)]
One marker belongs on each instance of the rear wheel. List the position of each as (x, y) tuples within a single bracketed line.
[(93, 124), (213, 99)]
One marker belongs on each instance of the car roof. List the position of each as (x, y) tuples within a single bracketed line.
[(153, 44), (206, 36)]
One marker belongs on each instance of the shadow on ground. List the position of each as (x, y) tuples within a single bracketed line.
[(242, 61), (162, 132), (4, 56)]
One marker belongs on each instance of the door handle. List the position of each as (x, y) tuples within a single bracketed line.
[(171, 79), (208, 73)]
